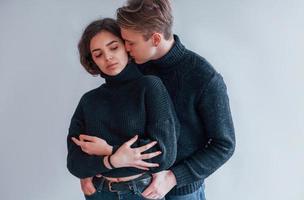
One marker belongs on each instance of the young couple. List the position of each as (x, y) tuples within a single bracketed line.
[(161, 122)]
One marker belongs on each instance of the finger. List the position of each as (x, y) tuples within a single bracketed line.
[(132, 140), (87, 138), (146, 147), (141, 167), (150, 155), (76, 141), (85, 148), (147, 164), (87, 186), (92, 189), (82, 145), (89, 189), (152, 196), (148, 191)]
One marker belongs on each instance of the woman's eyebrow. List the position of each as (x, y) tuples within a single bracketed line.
[(108, 44), (111, 42)]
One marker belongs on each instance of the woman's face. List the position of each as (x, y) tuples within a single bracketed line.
[(108, 52)]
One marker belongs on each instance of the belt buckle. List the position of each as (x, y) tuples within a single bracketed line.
[(110, 187)]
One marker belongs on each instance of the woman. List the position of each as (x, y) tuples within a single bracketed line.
[(128, 105)]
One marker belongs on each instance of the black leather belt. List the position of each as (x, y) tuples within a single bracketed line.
[(134, 185)]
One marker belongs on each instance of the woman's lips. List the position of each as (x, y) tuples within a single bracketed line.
[(111, 66)]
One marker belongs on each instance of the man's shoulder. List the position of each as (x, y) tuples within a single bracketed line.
[(198, 63), (150, 81), (197, 71)]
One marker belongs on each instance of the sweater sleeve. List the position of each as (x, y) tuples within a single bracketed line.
[(79, 163), (214, 111), (162, 124)]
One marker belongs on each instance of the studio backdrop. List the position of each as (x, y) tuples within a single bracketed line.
[(257, 46)]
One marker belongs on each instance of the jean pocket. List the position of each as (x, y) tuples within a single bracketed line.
[(140, 194), (91, 196), (143, 188)]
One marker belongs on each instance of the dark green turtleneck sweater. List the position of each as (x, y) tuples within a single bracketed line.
[(201, 103), (126, 105)]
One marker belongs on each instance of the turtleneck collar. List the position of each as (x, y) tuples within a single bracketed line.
[(129, 73), (170, 60)]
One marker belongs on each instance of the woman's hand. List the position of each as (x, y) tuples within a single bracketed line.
[(87, 186), (126, 156), (93, 145)]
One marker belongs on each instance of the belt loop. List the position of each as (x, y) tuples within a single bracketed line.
[(99, 188), (133, 187)]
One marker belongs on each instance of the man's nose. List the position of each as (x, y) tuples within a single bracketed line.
[(127, 46)]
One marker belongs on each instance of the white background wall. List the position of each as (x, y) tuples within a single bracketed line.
[(256, 45)]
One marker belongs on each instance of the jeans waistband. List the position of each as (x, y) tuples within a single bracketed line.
[(135, 185)]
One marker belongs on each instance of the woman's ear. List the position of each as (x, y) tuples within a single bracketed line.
[(156, 39)]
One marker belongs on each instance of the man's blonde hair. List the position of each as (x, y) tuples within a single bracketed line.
[(147, 16)]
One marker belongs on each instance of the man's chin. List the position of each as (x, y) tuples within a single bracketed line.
[(138, 61)]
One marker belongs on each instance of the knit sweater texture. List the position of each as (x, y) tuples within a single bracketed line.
[(127, 104), (199, 94)]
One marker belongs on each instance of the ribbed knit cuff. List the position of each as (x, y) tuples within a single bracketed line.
[(186, 182), (101, 166), (182, 174)]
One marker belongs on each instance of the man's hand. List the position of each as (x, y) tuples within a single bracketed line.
[(87, 186), (161, 184), (93, 145), (126, 156)]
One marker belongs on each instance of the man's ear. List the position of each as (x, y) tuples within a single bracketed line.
[(156, 39)]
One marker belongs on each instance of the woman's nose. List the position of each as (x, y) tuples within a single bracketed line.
[(109, 56)]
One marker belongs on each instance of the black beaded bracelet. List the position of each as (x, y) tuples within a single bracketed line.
[(109, 161)]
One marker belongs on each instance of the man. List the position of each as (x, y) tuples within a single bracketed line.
[(207, 138)]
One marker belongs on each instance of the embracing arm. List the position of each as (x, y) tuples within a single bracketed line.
[(162, 124), (216, 117)]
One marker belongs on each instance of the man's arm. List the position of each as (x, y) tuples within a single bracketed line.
[(162, 123), (214, 111)]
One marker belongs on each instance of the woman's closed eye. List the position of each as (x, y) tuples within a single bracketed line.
[(98, 55), (114, 48)]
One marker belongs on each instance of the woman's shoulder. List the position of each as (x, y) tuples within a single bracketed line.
[(91, 94)]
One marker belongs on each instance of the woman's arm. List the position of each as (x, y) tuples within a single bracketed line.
[(93, 145), (79, 163), (125, 154)]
